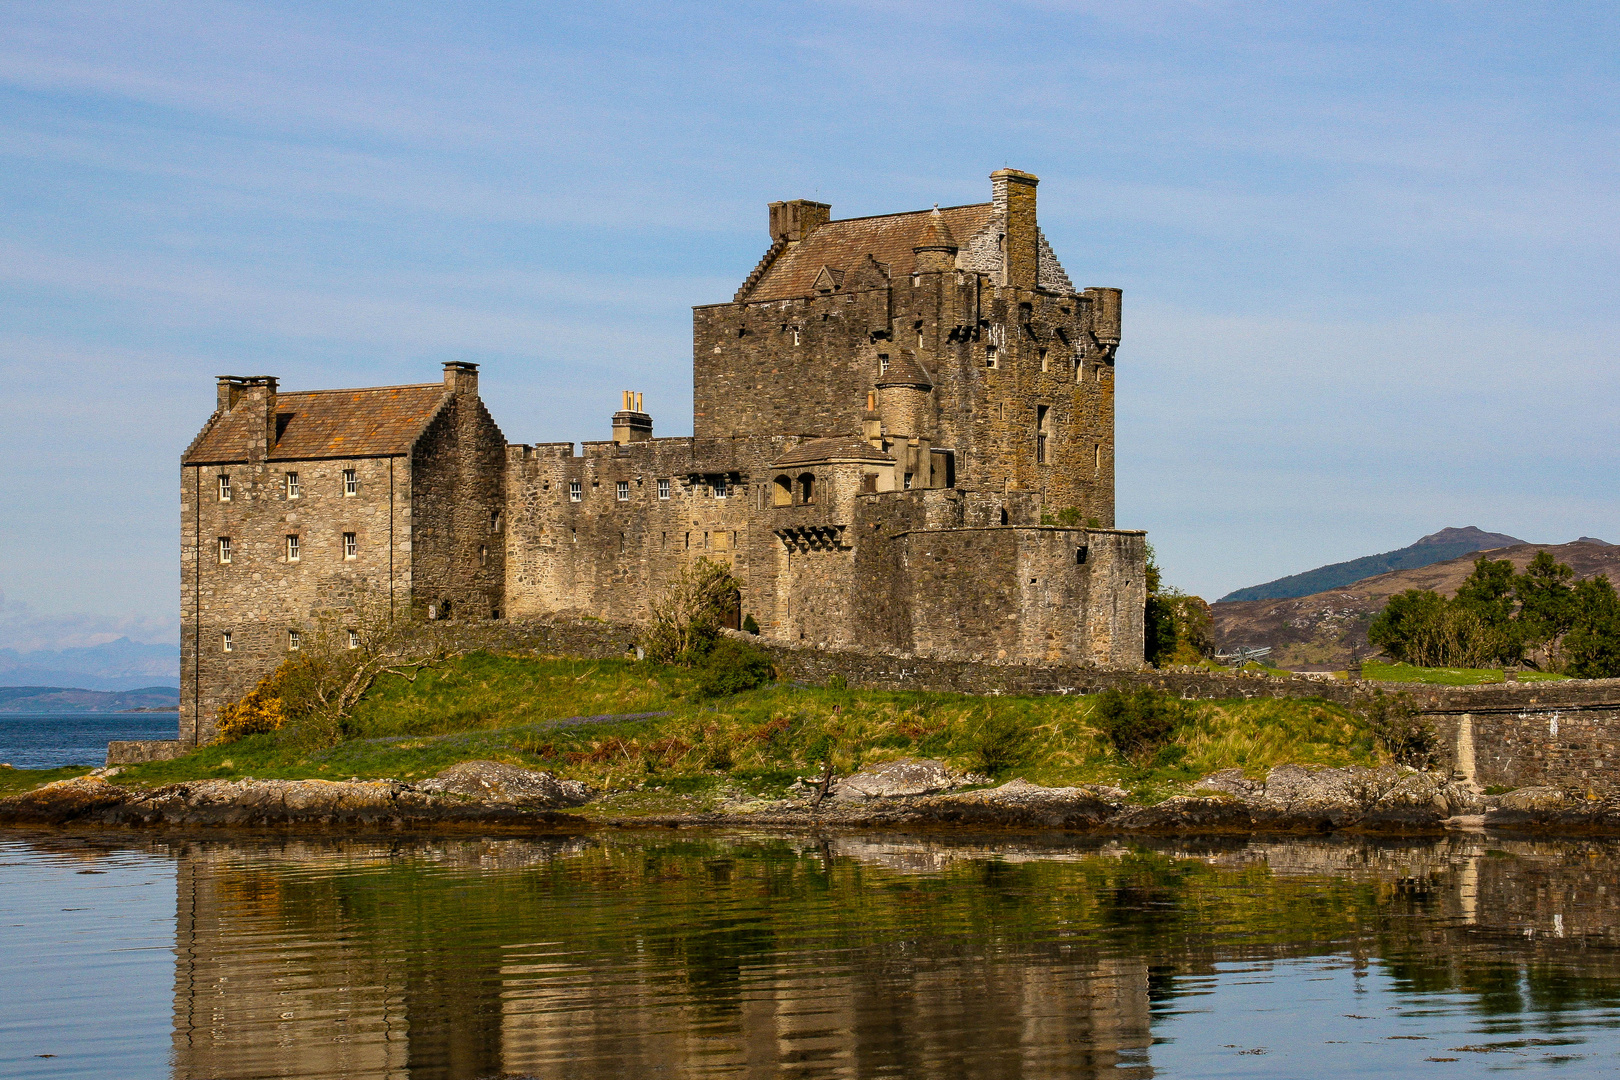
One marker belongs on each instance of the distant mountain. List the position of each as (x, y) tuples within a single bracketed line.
[(1434, 548), (62, 699), (1329, 628), (116, 665)]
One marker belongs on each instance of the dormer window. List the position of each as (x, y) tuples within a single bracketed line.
[(224, 488), (351, 482)]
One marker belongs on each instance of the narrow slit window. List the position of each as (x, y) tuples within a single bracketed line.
[(483, 556), (574, 491), (224, 488), (622, 489), (1045, 361), (1042, 417), (293, 490), (663, 489), (351, 482), (292, 547), (224, 549), (351, 546), (225, 642)]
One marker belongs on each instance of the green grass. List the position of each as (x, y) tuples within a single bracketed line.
[(1446, 676), (506, 707), (15, 780)]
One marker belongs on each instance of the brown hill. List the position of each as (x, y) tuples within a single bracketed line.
[(1326, 630)]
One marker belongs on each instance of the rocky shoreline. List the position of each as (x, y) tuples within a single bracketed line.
[(489, 795)]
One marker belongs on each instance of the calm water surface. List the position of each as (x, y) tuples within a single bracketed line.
[(52, 740), (739, 955)]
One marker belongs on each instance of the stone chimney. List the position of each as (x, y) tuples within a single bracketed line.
[(798, 218), (631, 424), (1013, 194), (461, 378), (257, 395)]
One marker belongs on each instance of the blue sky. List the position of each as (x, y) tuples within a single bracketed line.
[(1369, 251)]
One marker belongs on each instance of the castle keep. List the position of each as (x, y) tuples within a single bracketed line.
[(903, 440)]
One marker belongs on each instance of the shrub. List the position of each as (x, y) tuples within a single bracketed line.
[(750, 625), (1137, 724), (259, 711), (1002, 741), (686, 618), (733, 666), (1400, 731)]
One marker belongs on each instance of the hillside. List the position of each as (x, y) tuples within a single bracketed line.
[(113, 665), (1327, 629), (63, 699), (1434, 548)]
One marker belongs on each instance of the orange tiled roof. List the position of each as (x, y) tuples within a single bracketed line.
[(888, 238), (373, 422)]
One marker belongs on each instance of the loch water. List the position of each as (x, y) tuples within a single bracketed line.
[(691, 954), (53, 740)]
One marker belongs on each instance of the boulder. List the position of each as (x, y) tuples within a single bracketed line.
[(495, 782), (1534, 798), (899, 779), (65, 800), (1231, 782)]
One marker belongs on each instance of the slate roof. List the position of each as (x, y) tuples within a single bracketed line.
[(905, 371), (888, 238), (839, 448), (373, 422)]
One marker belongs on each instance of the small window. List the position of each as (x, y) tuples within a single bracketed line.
[(991, 357), (722, 488), (351, 548), (225, 642), (354, 639), (483, 556), (1042, 413), (495, 523), (622, 489), (224, 488), (292, 488), (883, 363), (574, 493), (1079, 556), (807, 489), (224, 549), (782, 491), (292, 547), (295, 641), (351, 483), (1045, 361), (908, 481), (663, 489)]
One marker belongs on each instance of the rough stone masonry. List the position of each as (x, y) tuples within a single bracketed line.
[(888, 416)]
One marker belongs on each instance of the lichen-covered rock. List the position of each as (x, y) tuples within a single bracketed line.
[(1020, 803), (898, 779), (62, 801), (1230, 782), (495, 782), (1535, 798)]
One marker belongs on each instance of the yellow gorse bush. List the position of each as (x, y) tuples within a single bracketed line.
[(259, 710)]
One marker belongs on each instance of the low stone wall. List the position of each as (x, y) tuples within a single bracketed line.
[(1564, 735), (140, 751)]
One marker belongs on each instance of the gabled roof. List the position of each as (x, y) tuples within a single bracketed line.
[(374, 422), (838, 449), (888, 238)]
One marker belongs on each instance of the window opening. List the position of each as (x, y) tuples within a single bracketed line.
[(1079, 556), (295, 641), (354, 639), (782, 491), (722, 488), (574, 493), (807, 488), (225, 642), (495, 522), (622, 489), (883, 363), (292, 547), (351, 482), (483, 556), (663, 489), (224, 549), (1045, 361), (293, 490), (224, 488), (908, 481), (351, 546), (990, 356), (1042, 413)]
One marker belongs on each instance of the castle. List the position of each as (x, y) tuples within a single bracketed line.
[(903, 440)]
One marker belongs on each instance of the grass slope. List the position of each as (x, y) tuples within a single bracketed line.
[(527, 711)]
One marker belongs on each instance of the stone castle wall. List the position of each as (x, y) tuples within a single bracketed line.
[(458, 559)]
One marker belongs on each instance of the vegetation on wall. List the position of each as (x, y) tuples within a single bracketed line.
[(1541, 617)]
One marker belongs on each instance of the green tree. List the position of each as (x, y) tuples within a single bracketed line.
[(1406, 617), (1592, 647), (1547, 607), (1159, 617)]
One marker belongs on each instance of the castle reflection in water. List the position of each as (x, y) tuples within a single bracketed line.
[(845, 956)]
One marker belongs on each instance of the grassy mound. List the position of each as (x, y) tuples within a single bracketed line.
[(624, 725)]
